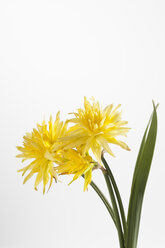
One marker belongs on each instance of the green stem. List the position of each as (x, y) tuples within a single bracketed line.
[(117, 195), (115, 208), (104, 200)]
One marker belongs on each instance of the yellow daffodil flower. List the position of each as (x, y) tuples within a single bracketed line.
[(37, 146), (95, 128), (74, 163)]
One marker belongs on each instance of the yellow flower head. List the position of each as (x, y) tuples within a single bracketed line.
[(73, 162), (95, 128), (37, 145)]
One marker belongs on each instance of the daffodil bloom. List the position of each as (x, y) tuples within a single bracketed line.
[(37, 146), (95, 128), (73, 162)]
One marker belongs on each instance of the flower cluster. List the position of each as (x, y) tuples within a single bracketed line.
[(57, 149)]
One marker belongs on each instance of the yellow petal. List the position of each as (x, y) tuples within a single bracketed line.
[(88, 178), (28, 177), (38, 179), (106, 147), (97, 149)]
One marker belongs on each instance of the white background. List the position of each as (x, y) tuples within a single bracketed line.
[(52, 54)]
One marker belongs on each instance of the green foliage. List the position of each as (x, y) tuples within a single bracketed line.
[(139, 181)]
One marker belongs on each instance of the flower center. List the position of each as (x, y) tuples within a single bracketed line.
[(49, 156)]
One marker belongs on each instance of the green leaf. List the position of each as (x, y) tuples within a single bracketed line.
[(139, 181)]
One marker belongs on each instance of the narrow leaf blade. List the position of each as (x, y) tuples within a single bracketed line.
[(139, 181)]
